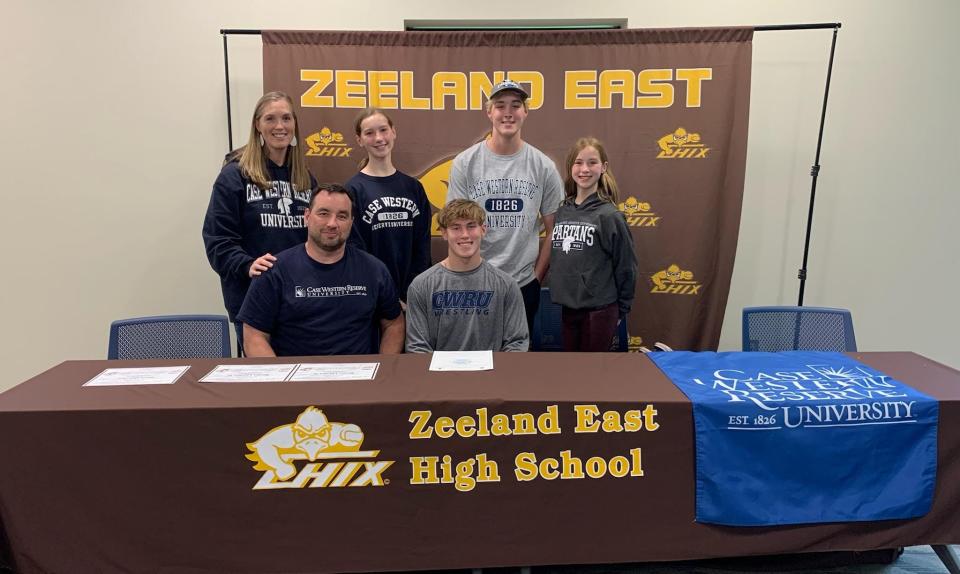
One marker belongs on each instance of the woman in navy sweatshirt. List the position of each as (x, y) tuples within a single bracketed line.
[(258, 201)]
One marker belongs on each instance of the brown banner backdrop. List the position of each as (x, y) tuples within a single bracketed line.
[(671, 105)]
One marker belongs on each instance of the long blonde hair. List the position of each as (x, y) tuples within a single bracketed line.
[(607, 188), (357, 127), (253, 162)]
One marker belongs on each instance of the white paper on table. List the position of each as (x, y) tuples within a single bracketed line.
[(137, 376), (462, 361), (249, 373), (335, 372)]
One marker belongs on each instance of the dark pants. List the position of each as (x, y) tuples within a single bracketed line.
[(531, 302), (590, 330)]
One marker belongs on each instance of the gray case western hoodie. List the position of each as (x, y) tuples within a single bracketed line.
[(592, 260)]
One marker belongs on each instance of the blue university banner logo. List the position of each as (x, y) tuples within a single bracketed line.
[(802, 437)]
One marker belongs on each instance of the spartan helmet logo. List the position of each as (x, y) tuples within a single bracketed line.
[(567, 244), (284, 205), (306, 438)]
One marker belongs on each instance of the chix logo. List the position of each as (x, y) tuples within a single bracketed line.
[(681, 144), (638, 213), (675, 281), (327, 143), (312, 437)]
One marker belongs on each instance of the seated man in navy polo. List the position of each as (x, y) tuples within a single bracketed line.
[(323, 298)]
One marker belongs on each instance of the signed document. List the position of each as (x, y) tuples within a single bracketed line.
[(335, 372), (137, 376), (462, 361), (249, 373)]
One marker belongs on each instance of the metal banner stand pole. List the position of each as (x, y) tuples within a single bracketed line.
[(814, 172)]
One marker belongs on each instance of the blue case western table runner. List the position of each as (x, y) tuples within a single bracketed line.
[(802, 437)]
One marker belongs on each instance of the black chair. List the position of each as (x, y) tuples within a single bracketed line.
[(773, 329), (170, 337)]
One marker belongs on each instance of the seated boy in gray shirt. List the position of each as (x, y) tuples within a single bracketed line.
[(463, 303)]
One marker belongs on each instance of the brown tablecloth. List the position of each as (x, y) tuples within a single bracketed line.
[(157, 479)]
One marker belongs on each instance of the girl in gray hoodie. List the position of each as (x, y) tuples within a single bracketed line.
[(593, 266)]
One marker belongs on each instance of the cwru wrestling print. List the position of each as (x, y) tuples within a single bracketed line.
[(805, 437)]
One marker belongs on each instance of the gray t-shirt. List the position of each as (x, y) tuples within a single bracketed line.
[(512, 189), (475, 310)]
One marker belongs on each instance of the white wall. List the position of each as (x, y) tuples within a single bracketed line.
[(114, 127)]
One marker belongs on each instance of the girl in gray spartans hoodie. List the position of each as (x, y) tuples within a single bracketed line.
[(593, 267)]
